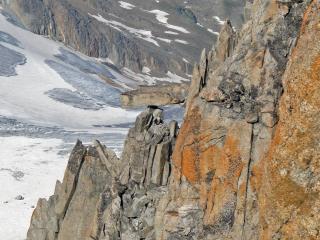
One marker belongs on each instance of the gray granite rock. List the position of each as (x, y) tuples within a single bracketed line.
[(159, 95), (104, 197)]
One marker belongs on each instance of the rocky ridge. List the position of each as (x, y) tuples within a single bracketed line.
[(245, 164), (103, 197)]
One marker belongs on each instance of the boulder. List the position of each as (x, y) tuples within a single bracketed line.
[(159, 95)]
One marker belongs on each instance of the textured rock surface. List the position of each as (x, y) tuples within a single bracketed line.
[(289, 188), (103, 197), (134, 37), (159, 95), (246, 161), (238, 172)]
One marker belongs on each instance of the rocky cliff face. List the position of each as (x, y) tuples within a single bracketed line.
[(103, 197), (289, 187), (159, 36), (246, 160)]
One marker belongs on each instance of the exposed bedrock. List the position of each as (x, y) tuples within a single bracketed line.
[(104, 197), (246, 161), (245, 164), (159, 95)]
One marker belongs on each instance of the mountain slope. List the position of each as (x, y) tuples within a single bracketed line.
[(48, 100), (50, 96), (154, 37)]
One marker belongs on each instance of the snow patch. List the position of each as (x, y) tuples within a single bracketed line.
[(213, 32), (185, 60), (39, 163), (146, 70), (200, 25), (219, 21), (146, 79), (181, 41), (161, 16), (126, 5), (108, 60), (139, 33), (172, 33), (165, 40)]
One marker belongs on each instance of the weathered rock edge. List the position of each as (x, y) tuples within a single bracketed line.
[(160, 95), (103, 197)]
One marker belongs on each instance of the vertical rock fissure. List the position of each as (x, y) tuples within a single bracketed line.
[(74, 187), (243, 237)]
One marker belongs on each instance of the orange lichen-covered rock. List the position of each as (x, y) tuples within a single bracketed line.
[(289, 194), (222, 185)]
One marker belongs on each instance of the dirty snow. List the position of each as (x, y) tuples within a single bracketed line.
[(149, 80)]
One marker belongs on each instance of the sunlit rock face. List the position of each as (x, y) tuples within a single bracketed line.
[(159, 95), (161, 36), (289, 187), (245, 162)]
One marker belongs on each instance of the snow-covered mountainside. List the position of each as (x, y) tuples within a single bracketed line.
[(157, 37), (49, 97)]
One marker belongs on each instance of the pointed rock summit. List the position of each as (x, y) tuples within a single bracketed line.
[(104, 197)]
